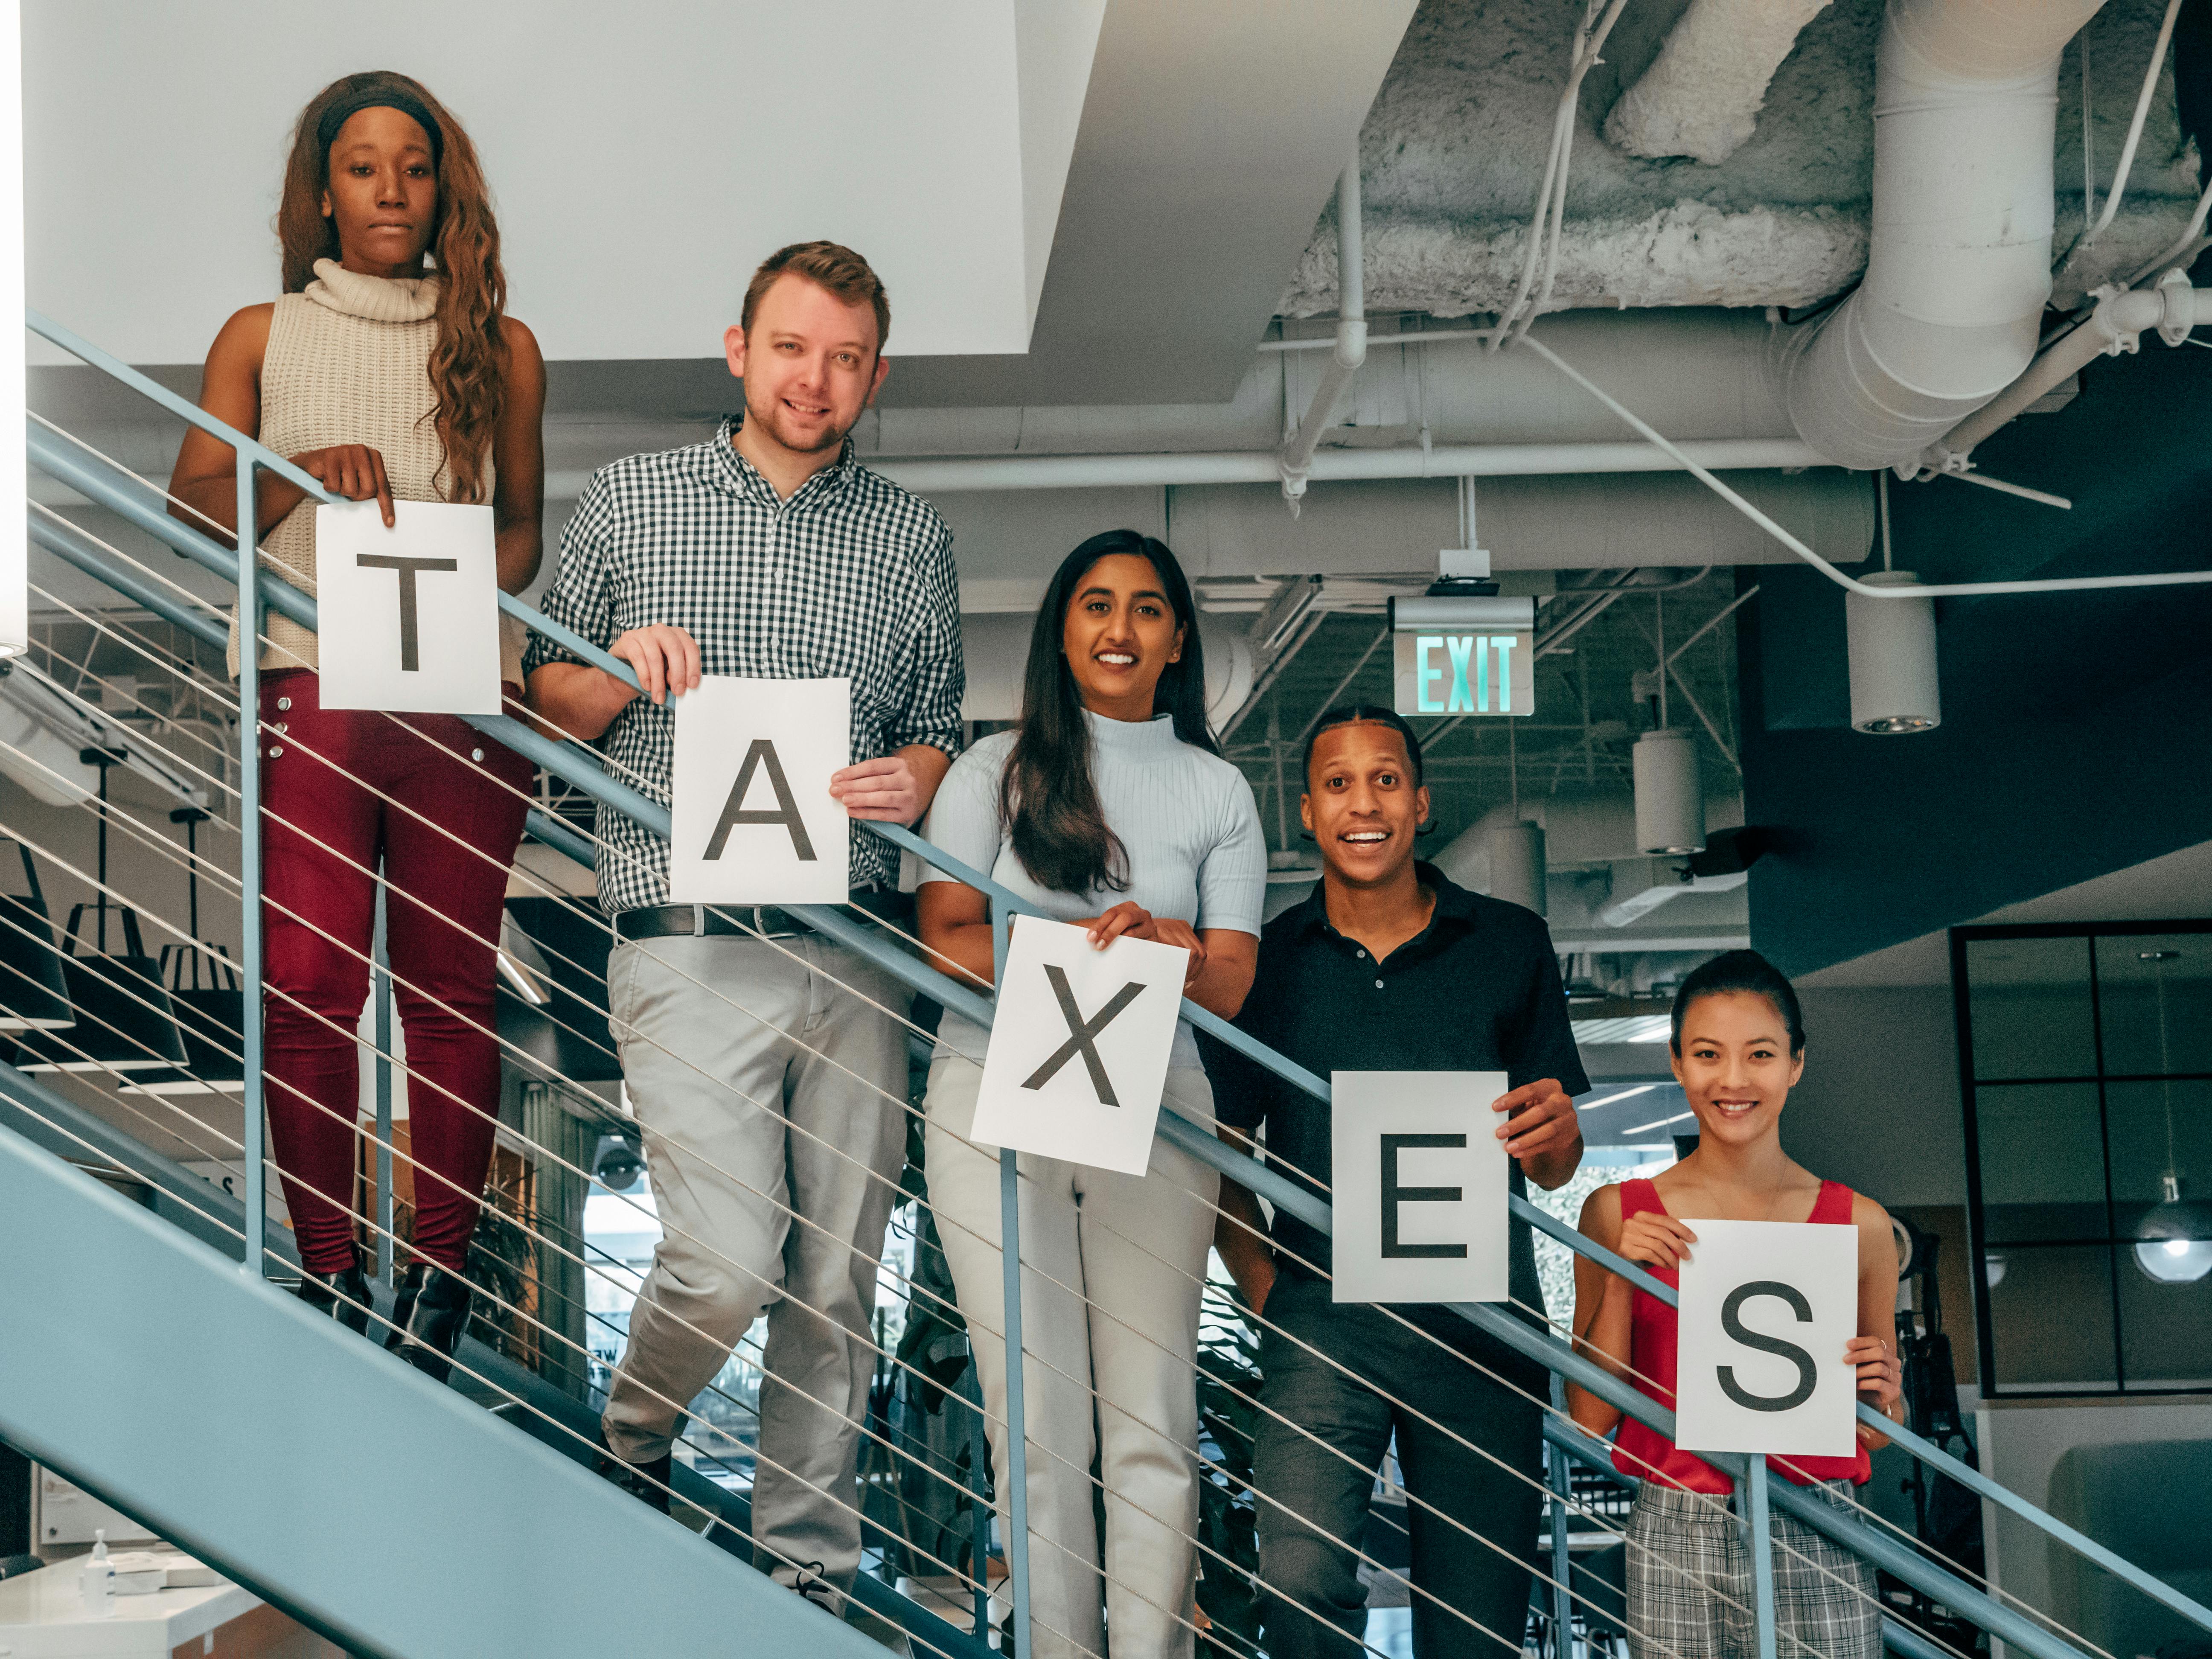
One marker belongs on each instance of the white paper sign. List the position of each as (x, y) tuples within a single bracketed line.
[(755, 821), (408, 616), (1767, 1308), (1419, 1180), (1079, 1046)]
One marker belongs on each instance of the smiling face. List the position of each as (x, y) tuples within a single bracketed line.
[(383, 192), (1119, 634), (1361, 805), (1735, 1065), (810, 364)]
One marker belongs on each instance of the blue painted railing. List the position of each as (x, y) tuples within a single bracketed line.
[(581, 769)]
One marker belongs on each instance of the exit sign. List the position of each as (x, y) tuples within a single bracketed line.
[(1453, 655)]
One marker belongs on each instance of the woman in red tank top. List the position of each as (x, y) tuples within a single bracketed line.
[(1738, 1048)]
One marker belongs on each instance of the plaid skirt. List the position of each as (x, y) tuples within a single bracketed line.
[(1690, 1592)]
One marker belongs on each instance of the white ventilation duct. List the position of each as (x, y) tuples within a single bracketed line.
[(1516, 864), (1958, 267), (1702, 96)]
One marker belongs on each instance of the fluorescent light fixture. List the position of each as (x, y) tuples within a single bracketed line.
[(521, 981), (1636, 1028), (1658, 1123), (1625, 1094)]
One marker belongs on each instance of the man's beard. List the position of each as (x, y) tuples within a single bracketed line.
[(770, 420)]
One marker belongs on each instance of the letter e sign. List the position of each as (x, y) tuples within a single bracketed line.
[(1079, 1046), (1767, 1308), (408, 617), (754, 818), (1419, 1180)]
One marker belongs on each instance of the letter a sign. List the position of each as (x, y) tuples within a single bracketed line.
[(1767, 1308), (755, 821), (1419, 1182), (409, 616), (1079, 1046)]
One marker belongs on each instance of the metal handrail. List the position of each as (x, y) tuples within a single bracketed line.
[(577, 766)]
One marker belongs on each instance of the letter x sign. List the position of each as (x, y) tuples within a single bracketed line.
[(1080, 1041)]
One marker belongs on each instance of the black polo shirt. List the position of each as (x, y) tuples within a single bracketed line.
[(1476, 990)]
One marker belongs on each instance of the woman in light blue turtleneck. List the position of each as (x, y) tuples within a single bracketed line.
[(1109, 805)]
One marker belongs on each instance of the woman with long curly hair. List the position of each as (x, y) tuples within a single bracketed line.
[(388, 372)]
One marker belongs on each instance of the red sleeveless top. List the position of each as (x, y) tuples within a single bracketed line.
[(1642, 1451)]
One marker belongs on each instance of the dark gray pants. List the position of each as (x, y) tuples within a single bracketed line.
[(1310, 1497)]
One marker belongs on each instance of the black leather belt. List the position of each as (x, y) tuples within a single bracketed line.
[(750, 920)]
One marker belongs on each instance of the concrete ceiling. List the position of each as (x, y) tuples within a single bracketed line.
[(1455, 144)]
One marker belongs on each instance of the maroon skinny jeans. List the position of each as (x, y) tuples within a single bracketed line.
[(441, 920)]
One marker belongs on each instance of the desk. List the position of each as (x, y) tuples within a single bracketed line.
[(43, 1617)]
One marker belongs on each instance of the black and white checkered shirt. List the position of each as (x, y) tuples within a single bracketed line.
[(852, 578)]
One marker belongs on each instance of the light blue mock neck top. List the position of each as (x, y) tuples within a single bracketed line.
[(1186, 819)]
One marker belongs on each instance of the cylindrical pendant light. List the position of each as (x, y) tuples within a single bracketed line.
[(1670, 801), (1893, 655), (1516, 864)]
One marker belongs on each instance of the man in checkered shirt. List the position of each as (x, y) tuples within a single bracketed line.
[(772, 1094)]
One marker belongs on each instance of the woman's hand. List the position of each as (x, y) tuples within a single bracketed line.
[(1132, 919), (1655, 1239), (1881, 1378), (353, 471)]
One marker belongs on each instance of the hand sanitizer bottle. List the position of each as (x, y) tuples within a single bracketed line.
[(96, 1580)]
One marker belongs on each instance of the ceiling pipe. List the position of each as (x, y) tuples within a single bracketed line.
[(993, 472), (2115, 326), (1295, 460), (1959, 263)]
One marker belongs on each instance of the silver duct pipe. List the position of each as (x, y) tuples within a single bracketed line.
[(1958, 268)]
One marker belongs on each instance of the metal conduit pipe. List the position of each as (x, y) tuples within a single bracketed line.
[(1959, 266), (2116, 325), (954, 474), (571, 763), (1296, 458)]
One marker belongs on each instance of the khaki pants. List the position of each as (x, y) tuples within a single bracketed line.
[(741, 1121), (1137, 1250)]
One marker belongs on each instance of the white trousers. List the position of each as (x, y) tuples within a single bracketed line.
[(1113, 1267), (789, 1102)]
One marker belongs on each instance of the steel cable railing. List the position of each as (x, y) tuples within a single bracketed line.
[(1487, 1541), (604, 792)]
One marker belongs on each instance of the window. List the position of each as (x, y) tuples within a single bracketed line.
[(2085, 1064)]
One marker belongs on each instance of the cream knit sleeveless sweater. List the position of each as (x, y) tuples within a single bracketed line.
[(348, 362)]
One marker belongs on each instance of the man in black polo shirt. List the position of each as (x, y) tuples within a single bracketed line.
[(1389, 967)]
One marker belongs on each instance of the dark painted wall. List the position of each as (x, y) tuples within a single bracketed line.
[(2077, 730)]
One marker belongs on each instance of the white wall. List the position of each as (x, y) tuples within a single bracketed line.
[(644, 158)]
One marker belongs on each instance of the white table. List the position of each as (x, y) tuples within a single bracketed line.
[(42, 1616)]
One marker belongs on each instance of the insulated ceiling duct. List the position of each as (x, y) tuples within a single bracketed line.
[(1958, 267)]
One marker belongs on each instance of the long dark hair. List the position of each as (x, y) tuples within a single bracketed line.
[(468, 362), (1048, 798), (1748, 972)]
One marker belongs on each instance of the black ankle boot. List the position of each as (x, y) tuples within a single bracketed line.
[(343, 1295), (429, 1318)]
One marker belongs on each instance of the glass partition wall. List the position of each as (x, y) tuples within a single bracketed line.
[(2085, 1056)]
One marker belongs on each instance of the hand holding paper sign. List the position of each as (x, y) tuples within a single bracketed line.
[(754, 821), (1079, 1047), (411, 609), (1420, 1191), (1769, 1310)]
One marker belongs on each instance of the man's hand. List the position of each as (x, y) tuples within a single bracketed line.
[(1541, 1131), (666, 659), (885, 788)]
